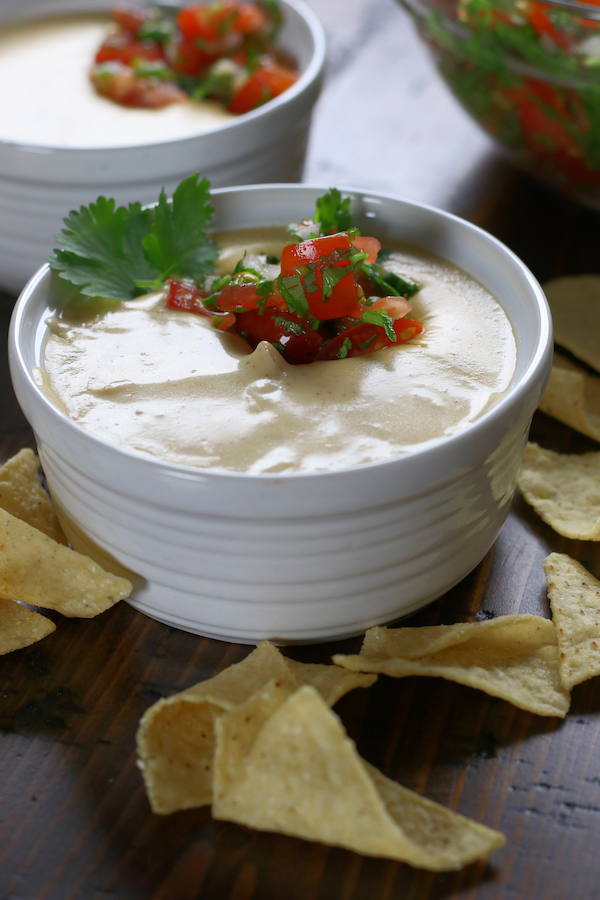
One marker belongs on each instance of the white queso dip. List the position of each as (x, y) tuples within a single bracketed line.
[(167, 383), (48, 99)]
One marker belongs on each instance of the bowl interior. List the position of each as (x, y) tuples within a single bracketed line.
[(454, 239)]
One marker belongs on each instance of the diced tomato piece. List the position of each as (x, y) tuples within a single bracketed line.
[(264, 83), (123, 86), (186, 57), (294, 256), (185, 296), (298, 341), (369, 245), (207, 21), (235, 295), (540, 20), (343, 301), (323, 252), (250, 19), (129, 16), (122, 48), (366, 338), (397, 307)]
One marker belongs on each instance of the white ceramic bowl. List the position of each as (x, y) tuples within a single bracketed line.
[(39, 184), (299, 557)]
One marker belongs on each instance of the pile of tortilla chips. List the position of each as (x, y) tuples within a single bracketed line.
[(259, 741), (565, 489), (36, 565), (528, 660)]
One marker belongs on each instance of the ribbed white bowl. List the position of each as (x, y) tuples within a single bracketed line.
[(303, 557), (40, 184)]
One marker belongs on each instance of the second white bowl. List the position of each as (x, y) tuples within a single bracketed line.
[(40, 183)]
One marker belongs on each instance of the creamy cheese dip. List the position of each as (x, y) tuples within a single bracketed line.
[(168, 384), (47, 97)]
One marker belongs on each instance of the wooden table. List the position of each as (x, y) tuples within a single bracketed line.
[(74, 820)]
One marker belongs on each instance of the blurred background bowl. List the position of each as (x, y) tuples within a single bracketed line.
[(529, 74), (40, 183), (307, 556)]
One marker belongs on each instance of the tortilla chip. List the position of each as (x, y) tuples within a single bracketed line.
[(37, 570), (511, 657), (564, 490), (176, 739), (298, 773), (573, 397), (22, 495), (20, 627), (575, 306), (237, 730), (575, 602)]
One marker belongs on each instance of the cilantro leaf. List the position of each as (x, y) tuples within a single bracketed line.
[(404, 288), (333, 213), (102, 249), (293, 294), (178, 244), (390, 283), (118, 252), (343, 351), (378, 317), (331, 276)]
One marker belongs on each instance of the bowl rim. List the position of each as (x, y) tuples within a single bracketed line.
[(581, 7), (514, 396), (307, 78)]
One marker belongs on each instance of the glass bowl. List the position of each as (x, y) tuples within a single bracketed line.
[(529, 74)]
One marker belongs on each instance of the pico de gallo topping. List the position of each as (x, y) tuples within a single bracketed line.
[(325, 299), (223, 50), (529, 72), (329, 296)]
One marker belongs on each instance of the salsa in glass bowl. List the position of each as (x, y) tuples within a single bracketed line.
[(529, 73)]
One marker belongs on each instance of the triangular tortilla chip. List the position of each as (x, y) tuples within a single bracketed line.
[(573, 397), (22, 495), (564, 490), (20, 627), (298, 773), (176, 735), (37, 570), (575, 602), (575, 306), (512, 657)]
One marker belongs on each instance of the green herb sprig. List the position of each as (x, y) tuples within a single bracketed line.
[(121, 252)]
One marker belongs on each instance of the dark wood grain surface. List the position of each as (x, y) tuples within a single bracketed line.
[(74, 820)]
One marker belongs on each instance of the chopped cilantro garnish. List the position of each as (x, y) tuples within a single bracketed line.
[(404, 288), (391, 284), (214, 84), (157, 29), (331, 276), (263, 291), (333, 213), (292, 292), (151, 68), (288, 327), (117, 252), (273, 260), (378, 317), (343, 351), (367, 342)]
